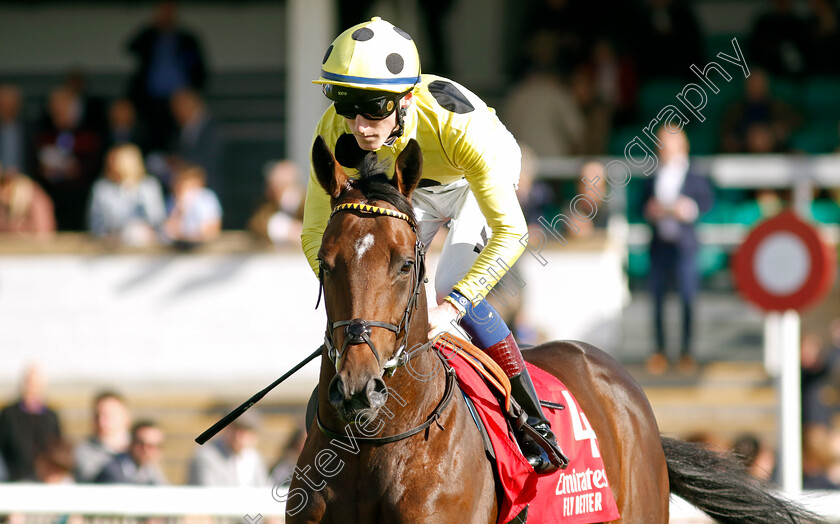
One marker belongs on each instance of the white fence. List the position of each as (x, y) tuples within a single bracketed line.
[(247, 505)]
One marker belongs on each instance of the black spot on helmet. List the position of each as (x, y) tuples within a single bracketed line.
[(362, 34), (395, 63)]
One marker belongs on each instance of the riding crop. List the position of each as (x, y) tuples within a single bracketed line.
[(245, 406)]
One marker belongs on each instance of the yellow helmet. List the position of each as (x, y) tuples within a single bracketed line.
[(372, 56)]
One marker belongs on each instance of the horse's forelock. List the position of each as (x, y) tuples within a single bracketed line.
[(374, 184)]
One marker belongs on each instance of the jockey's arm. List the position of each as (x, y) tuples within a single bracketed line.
[(492, 162), (316, 213)]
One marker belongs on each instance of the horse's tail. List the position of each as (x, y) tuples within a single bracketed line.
[(719, 485)]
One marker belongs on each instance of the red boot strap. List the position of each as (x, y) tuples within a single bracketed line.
[(506, 353)]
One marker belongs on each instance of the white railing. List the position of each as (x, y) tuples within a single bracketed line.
[(243, 504)]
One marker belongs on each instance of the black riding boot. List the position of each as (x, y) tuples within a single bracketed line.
[(522, 390)]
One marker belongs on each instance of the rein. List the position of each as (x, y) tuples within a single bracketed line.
[(431, 419)]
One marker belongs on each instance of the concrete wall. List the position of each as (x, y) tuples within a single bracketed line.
[(229, 319)]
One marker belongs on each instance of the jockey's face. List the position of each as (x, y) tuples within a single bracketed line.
[(372, 134)]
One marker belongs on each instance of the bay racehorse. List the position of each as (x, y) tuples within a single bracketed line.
[(419, 458)]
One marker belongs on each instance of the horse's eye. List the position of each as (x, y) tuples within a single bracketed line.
[(323, 266), (407, 265)]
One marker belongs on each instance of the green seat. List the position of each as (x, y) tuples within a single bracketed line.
[(821, 97), (635, 205), (638, 263), (622, 136), (786, 90), (722, 212), (747, 213), (825, 211), (655, 95), (817, 137), (711, 260)]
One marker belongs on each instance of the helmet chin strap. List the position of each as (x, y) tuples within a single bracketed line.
[(398, 131)]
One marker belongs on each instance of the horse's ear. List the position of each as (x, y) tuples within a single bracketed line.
[(409, 168), (330, 174)]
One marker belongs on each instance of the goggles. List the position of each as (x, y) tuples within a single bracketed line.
[(372, 105)]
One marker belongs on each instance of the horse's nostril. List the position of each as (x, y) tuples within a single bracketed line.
[(337, 391), (377, 392)]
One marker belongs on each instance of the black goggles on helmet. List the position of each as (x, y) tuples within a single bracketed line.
[(373, 105)]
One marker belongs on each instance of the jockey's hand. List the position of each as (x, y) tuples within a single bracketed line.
[(442, 318)]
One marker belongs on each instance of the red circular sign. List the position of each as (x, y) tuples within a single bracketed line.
[(784, 264)]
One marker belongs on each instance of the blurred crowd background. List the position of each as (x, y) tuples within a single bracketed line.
[(174, 155)]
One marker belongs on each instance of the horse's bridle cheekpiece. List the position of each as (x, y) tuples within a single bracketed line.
[(357, 330)]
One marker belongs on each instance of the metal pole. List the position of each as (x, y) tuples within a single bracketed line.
[(772, 336), (791, 407)]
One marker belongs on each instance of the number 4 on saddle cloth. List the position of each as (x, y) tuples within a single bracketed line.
[(579, 494)]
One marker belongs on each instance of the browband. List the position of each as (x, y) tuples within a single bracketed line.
[(367, 208)]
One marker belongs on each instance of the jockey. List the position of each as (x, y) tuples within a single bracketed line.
[(371, 73)]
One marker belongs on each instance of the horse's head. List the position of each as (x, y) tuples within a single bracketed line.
[(371, 266)]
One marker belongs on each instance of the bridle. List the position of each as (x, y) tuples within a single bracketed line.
[(357, 330)]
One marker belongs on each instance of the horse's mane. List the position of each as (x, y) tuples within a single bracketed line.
[(374, 184)]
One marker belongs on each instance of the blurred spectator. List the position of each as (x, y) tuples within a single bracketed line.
[(199, 140), (141, 463), (778, 41), (819, 362), (111, 436), (671, 39), (233, 459), (278, 219), (758, 123), (68, 159), (539, 110), (561, 25), (27, 426), (535, 196), (169, 58), (674, 199), (123, 126), (54, 465), (14, 137), (596, 115), (824, 36), (282, 471), (91, 108), (126, 204), (24, 207), (195, 215), (759, 458), (593, 184), (817, 458), (707, 440)]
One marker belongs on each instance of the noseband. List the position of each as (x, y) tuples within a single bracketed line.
[(357, 330)]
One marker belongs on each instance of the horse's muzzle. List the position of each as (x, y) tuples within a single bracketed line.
[(351, 404)]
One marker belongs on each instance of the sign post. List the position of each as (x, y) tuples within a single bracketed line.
[(783, 267)]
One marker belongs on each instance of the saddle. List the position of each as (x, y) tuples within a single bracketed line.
[(498, 380)]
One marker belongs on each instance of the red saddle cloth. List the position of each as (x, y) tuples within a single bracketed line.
[(580, 494)]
